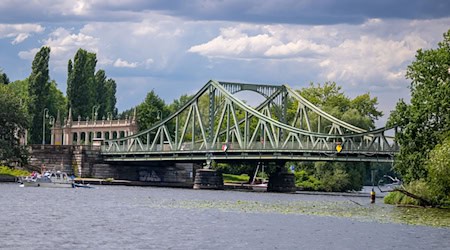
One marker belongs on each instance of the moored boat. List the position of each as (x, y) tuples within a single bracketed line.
[(56, 179)]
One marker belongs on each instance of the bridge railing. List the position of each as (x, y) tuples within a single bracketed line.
[(306, 145)]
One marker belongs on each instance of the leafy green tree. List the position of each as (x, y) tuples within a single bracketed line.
[(178, 103), (87, 88), (13, 123), (423, 122), (438, 168), (81, 92), (3, 78), (19, 88), (100, 92), (38, 91), (57, 101), (110, 97), (366, 106), (361, 112), (150, 111)]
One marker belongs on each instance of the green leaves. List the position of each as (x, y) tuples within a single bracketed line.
[(360, 111), (13, 123), (427, 118), (87, 88), (38, 91)]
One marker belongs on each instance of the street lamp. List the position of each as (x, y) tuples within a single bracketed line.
[(44, 115), (51, 121), (95, 112), (158, 114)]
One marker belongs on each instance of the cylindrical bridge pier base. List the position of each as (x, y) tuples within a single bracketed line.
[(208, 179)]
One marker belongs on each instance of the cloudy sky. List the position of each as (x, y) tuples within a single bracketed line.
[(175, 47)]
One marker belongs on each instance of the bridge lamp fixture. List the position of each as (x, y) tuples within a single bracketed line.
[(95, 112), (158, 114), (45, 115)]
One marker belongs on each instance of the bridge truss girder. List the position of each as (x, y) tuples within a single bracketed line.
[(214, 121)]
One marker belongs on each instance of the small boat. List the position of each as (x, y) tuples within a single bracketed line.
[(56, 179), (79, 185), (259, 187)]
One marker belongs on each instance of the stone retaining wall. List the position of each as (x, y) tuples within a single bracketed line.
[(87, 162)]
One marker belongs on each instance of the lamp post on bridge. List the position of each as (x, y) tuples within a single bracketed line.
[(158, 115), (45, 115), (95, 112)]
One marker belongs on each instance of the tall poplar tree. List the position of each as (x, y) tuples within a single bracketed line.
[(38, 90), (110, 98), (81, 83), (100, 92), (87, 88)]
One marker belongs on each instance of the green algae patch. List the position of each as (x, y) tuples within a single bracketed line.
[(348, 209)]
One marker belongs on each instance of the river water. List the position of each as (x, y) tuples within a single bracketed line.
[(121, 217)]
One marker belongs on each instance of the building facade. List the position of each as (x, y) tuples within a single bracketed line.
[(85, 132)]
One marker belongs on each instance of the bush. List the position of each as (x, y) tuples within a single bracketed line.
[(419, 188), (307, 182), (12, 171)]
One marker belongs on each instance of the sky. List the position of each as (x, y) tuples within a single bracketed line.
[(175, 47)]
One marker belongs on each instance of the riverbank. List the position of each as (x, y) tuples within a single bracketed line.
[(244, 187), (227, 186)]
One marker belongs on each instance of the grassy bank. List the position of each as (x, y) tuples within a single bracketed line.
[(12, 171), (232, 178)]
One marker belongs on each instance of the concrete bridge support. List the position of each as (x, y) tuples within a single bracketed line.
[(281, 181), (208, 179)]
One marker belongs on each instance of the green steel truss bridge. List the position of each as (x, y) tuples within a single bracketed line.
[(215, 125)]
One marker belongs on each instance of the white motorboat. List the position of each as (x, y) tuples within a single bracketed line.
[(56, 179)]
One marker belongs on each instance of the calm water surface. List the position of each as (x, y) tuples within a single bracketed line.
[(120, 217)]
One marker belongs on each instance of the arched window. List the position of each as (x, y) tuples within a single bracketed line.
[(75, 138), (82, 138)]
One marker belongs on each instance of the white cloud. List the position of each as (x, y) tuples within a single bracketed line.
[(64, 44), (20, 32), (370, 59), (119, 63), (256, 41), (374, 53)]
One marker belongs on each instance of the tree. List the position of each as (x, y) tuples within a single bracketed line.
[(360, 111), (438, 168), (423, 122), (110, 97), (178, 103), (87, 88), (150, 111), (3, 78), (81, 92), (38, 93), (13, 123)]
